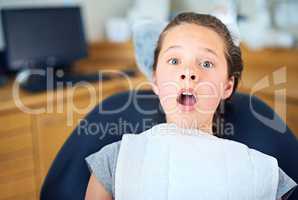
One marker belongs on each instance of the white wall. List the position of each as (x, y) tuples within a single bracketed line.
[(95, 12), (192, 5)]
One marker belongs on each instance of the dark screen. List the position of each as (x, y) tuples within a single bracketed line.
[(43, 36)]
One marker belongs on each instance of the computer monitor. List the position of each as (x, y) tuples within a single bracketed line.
[(43, 37)]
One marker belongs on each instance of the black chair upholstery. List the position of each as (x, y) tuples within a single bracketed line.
[(69, 174)]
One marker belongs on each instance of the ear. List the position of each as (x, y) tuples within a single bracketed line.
[(228, 88), (154, 84)]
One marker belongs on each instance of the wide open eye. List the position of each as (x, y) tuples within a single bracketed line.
[(207, 64), (173, 61)]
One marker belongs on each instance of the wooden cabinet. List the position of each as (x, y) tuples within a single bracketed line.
[(17, 169)]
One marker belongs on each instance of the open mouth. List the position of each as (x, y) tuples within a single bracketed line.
[(186, 98)]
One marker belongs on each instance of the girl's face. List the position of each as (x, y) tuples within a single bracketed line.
[(191, 75)]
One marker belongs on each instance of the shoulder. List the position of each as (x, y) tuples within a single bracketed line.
[(111, 149), (286, 185), (107, 152), (103, 165), (106, 156)]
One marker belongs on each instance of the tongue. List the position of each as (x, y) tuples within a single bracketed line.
[(188, 100)]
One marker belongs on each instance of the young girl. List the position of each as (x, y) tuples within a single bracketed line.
[(196, 66)]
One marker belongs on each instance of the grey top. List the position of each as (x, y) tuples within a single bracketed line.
[(103, 165)]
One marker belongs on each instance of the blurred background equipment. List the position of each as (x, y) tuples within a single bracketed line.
[(258, 31), (262, 23), (3, 78), (285, 16), (43, 37), (118, 30), (40, 38)]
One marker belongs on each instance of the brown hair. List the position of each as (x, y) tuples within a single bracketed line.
[(232, 51)]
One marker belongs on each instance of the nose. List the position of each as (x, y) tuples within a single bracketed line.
[(188, 75)]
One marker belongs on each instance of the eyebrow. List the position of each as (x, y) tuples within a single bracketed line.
[(204, 48), (172, 47), (211, 51)]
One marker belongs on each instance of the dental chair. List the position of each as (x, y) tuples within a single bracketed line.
[(68, 175)]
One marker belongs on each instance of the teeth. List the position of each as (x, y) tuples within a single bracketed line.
[(186, 93)]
